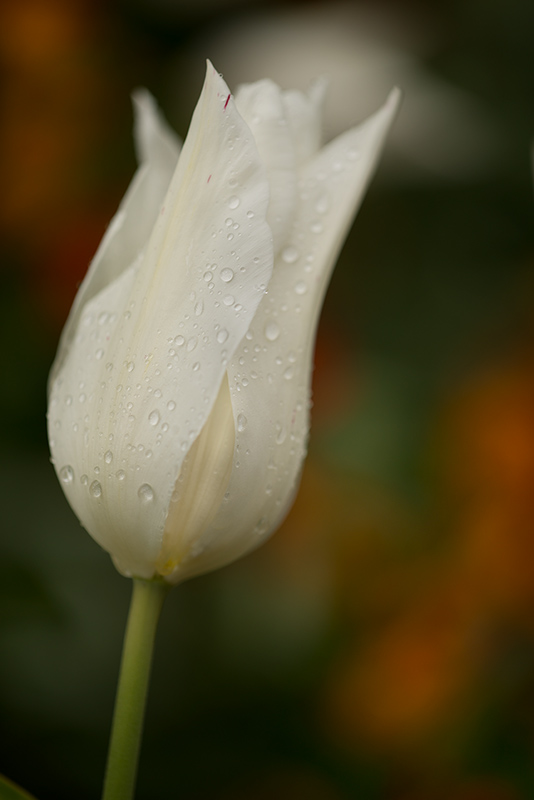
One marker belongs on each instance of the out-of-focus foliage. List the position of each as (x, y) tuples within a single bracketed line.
[(381, 646)]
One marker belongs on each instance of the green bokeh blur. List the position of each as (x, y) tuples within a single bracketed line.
[(381, 646)]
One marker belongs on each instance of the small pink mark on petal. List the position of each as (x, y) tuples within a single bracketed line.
[(227, 101), (209, 179)]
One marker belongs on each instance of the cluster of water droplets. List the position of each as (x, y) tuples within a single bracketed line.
[(276, 340)]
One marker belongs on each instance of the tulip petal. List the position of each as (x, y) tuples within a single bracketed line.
[(262, 107), (151, 349), (200, 488), (157, 148), (271, 371), (304, 116)]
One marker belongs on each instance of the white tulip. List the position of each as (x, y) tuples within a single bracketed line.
[(179, 397)]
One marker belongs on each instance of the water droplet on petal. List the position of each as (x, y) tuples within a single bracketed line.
[(66, 474), (99, 354), (272, 331), (95, 489), (288, 373), (192, 343), (290, 254), (322, 204), (171, 405), (108, 457), (233, 202), (121, 474), (196, 366), (229, 300), (316, 227), (241, 422), (131, 366), (145, 493), (301, 288), (153, 417), (222, 335), (84, 480), (227, 274), (179, 341), (199, 308)]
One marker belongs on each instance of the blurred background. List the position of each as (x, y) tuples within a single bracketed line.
[(381, 645)]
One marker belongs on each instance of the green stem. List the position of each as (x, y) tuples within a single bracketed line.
[(128, 716)]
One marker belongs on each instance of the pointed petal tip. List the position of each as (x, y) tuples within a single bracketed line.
[(394, 99), (142, 101), (318, 89)]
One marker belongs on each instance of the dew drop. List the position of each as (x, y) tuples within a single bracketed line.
[(121, 474), (84, 480), (153, 417), (68, 400), (199, 308), (196, 366), (290, 254), (66, 474), (250, 214), (179, 341), (241, 422), (145, 493), (272, 331), (171, 405), (301, 288), (288, 373), (227, 274), (229, 300), (108, 457), (82, 398), (95, 489), (192, 343), (222, 335), (229, 221), (99, 354), (322, 204), (233, 202), (130, 366), (316, 227)]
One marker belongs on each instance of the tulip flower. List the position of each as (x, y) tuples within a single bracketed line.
[(179, 397)]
